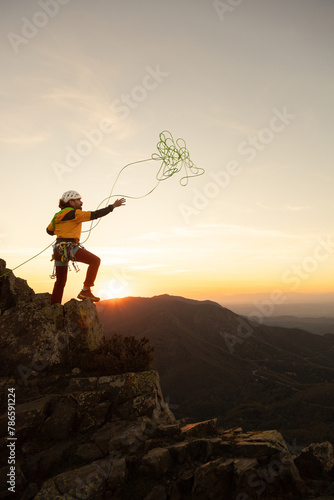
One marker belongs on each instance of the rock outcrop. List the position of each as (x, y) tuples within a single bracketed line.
[(35, 335), (113, 436), (78, 421), (73, 448), (13, 290)]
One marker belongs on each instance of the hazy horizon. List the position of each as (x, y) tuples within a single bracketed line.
[(297, 309), (299, 305)]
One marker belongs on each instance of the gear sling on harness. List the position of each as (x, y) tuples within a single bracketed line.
[(65, 251)]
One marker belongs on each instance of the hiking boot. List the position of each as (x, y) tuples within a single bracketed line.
[(87, 294)]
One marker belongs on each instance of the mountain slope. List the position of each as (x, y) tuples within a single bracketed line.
[(212, 362)]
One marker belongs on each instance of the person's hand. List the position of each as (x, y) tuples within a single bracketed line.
[(119, 202)]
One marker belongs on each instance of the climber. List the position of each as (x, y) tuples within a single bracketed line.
[(66, 225)]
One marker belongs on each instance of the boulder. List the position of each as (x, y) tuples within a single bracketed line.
[(200, 449), (83, 324), (157, 493), (157, 461), (87, 482), (179, 451), (29, 417), (214, 480), (13, 291), (45, 463), (118, 474), (205, 427), (135, 395), (276, 479), (316, 461), (260, 444), (88, 452), (59, 424), (37, 335), (130, 439)]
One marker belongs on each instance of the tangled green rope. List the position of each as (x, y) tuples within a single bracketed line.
[(174, 157)]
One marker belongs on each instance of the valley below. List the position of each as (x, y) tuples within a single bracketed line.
[(215, 363)]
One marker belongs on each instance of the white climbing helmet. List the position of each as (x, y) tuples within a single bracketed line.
[(71, 195)]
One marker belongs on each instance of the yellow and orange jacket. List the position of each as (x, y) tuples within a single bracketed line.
[(66, 224)]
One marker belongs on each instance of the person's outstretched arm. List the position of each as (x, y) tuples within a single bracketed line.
[(96, 214)]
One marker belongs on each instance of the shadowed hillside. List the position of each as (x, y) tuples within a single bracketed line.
[(214, 362)]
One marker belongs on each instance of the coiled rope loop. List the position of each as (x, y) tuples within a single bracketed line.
[(174, 156)]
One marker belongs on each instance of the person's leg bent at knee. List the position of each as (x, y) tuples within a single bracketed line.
[(93, 262)]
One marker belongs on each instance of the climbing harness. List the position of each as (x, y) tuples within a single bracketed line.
[(66, 251)]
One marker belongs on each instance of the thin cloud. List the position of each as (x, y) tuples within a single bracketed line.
[(294, 208), (213, 229), (24, 140), (201, 231), (285, 208)]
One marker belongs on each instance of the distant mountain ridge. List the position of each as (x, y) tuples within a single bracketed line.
[(321, 326), (214, 362)]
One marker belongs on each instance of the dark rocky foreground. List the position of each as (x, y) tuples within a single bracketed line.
[(113, 436)]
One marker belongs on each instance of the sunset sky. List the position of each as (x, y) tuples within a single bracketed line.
[(88, 85)]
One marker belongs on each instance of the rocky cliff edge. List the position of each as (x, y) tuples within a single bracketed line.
[(113, 436)]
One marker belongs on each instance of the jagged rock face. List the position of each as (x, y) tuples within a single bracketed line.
[(35, 334), (13, 291), (316, 460), (81, 425), (146, 460), (81, 444)]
